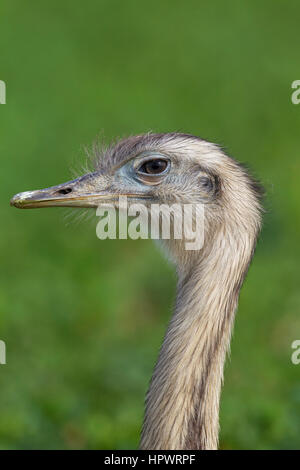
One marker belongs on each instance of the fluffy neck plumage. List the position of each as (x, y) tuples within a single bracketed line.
[(182, 404)]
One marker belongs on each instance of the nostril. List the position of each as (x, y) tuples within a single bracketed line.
[(64, 191)]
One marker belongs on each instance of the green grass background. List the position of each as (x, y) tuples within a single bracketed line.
[(83, 319)]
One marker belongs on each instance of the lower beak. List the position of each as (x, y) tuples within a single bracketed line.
[(76, 193)]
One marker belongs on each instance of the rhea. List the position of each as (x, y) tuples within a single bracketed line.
[(182, 403)]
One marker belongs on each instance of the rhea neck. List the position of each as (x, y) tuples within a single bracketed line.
[(182, 404)]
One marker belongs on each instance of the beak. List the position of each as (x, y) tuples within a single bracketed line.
[(80, 192)]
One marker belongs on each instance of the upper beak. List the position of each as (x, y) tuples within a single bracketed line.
[(77, 193)]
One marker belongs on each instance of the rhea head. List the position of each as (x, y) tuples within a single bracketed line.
[(160, 168)]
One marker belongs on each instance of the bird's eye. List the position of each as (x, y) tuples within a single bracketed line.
[(153, 167)]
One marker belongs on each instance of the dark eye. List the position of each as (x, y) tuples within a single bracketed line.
[(153, 167)]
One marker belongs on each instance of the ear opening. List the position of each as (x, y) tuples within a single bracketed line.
[(211, 184)]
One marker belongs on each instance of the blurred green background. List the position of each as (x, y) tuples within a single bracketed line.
[(83, 319)]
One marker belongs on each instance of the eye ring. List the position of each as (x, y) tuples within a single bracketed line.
[(154, 167)]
